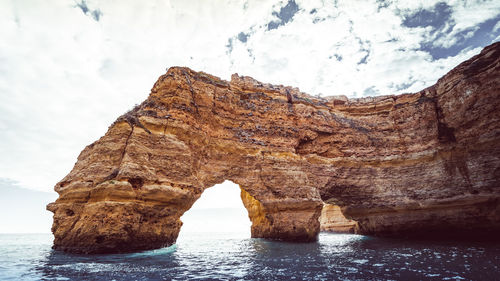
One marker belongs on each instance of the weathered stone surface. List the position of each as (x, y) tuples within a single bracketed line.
[(332, 220), (428, 161)]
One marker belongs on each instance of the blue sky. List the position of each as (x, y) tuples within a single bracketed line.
[(69, 68)]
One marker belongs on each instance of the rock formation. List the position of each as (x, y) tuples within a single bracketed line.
[(332, 220), (422, 162)]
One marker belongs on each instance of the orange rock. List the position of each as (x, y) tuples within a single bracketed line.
[(333, 220), (428, 161)]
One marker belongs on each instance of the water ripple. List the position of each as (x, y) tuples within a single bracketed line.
[(227, 256)]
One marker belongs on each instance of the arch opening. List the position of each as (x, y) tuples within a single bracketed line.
[(218, 212)]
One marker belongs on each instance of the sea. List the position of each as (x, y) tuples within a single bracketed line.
[(235, 256)]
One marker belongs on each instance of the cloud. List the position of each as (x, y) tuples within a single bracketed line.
[(454, 25), (66, 74), (496, 28)]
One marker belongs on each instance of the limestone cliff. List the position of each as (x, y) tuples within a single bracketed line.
[(428, 161), (332, 220)]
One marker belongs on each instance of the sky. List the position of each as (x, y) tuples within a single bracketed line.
[(219, 209), (69, 68), (23, 211)]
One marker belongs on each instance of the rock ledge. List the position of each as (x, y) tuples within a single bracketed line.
[(413, 163)]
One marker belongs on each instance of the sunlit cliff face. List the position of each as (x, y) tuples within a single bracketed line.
[(397, 165)]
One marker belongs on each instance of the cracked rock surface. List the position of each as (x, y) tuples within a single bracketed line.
[(427, 162)]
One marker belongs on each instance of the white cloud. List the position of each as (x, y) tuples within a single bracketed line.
[(64, 77), (465, 19), (496, 27)]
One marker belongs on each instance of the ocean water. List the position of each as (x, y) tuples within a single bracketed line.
[(232, 256)]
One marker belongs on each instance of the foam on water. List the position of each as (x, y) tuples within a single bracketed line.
[(231, 256)]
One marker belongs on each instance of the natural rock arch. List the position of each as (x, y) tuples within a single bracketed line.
[(427, 161)]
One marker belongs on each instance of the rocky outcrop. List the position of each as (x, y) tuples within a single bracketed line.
[(428, 161), (332, 220)]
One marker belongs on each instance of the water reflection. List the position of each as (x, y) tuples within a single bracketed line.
[(229, 256), (63, 266)]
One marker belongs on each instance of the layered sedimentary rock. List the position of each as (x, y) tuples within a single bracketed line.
[(428, 161), (332, 220)]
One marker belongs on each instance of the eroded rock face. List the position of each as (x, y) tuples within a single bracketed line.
[(332, 220), (428, 161)]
